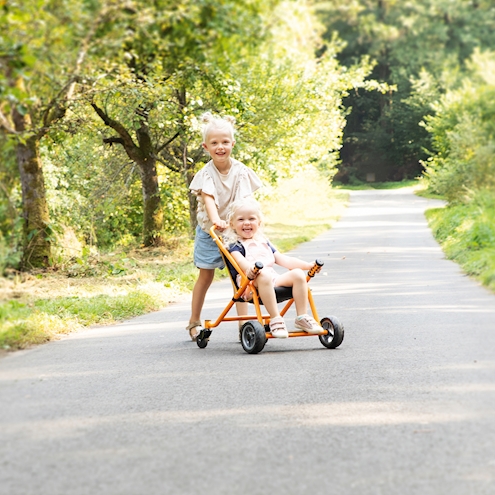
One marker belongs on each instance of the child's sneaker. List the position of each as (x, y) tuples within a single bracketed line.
[(278, 328), (307, 324)]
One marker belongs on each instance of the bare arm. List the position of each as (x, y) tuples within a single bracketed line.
[(290, 262), (244, 264), (211, 209)]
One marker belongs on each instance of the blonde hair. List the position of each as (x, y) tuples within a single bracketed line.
[(230, 235), (211, 122)]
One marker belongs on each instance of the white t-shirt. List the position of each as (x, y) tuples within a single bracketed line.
[(238, 183)]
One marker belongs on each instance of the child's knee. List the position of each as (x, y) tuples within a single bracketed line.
[(263, 278)]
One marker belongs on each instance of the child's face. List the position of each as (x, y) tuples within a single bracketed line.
[(245, 222), (219, 144)]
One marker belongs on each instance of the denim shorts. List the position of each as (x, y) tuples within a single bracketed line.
[(206, 252)]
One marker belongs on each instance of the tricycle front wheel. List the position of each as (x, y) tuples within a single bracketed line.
[(335, 334)]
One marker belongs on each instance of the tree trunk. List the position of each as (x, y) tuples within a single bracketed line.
[(193, 211), (152, 205), (188, 169), (187, 166), (144, 156), (37, 233)]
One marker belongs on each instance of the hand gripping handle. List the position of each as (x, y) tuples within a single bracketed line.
[(257, 267), (316, 268)]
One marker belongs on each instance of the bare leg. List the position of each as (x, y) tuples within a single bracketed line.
[(303, 321), (267, 293), (266, 290), (201, 286), (297, 280), (242, 309)]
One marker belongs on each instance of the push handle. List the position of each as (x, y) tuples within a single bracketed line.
[(257, 267), (316, 268)]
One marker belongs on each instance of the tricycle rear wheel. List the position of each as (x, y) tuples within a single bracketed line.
[(253, 337)]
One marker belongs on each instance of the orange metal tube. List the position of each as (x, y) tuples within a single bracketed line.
[(299, 334)]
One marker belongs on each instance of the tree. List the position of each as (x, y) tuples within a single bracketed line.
[(383, 134), (42, 51), (463, 129), (170, 51)]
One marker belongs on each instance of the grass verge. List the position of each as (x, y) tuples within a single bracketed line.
[(466, 233), (359, 185), (104, 288)]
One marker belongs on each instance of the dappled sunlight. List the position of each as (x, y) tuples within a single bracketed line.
[(339, 414), (473, 365), (377, 414), (383, 223)]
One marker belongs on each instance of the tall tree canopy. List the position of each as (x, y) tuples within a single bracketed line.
[(100, 109), (407, 40), (42, 48)]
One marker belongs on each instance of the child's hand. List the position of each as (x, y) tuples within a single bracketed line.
[(221, 225), (248, 294), (251, 274), (318, 267)]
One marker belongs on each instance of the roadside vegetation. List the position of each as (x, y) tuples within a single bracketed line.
[(358, 185), (466, 232), (461, 169)]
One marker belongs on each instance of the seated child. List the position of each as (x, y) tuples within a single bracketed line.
[(248, 245)]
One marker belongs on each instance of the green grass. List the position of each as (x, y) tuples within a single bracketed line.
[(104, 288), (359, 186), (466, 233), (285, 238)]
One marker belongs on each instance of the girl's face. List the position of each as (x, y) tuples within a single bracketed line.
[(245, 222), (219, 144)]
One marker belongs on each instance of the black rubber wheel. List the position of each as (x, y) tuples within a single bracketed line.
[(203, 337), (253, 337), (335, 334)]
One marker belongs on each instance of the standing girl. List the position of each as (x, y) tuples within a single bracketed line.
[(220, 182)]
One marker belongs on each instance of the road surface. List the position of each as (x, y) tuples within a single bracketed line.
[(406, 405)]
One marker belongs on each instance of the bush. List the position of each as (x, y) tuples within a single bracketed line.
[(463, 133), (467, 234)]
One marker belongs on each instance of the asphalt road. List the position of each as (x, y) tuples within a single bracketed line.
[(406, 405)]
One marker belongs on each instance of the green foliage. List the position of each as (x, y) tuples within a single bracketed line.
[(100, 308), (463, 135), (467, 235), (10, 207), (95, 192), (154, 68), (22, 325), (419, 48)]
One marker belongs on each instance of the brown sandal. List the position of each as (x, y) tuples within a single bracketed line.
[(191, 327)]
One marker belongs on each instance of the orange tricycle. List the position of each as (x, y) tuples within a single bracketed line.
[(255, 332)]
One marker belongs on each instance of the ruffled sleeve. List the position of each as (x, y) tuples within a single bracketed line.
[(203, 182), (248, 182)]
